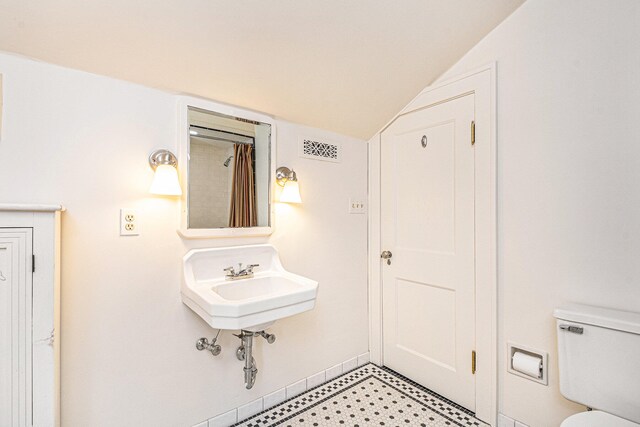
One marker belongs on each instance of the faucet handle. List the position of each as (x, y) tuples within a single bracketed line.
[(230, 271), (251, 266)]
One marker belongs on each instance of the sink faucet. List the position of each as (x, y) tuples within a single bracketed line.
[(242, 273)]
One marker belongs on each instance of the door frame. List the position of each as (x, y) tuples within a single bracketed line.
[(482, 83), (44, 220)]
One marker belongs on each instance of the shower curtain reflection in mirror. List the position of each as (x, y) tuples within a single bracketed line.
[(242, 212)]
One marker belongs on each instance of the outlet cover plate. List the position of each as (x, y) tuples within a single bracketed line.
[(129, 222)]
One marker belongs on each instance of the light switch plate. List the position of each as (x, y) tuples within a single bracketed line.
[(357, 206)]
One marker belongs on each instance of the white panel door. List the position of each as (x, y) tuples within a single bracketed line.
[(15, 327), (427, 220)]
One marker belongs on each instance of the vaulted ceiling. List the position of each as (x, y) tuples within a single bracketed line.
[(342, 65)]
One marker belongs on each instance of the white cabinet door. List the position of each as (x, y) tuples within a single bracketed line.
[(15, 326)]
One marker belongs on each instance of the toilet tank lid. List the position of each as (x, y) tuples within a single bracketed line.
[(596, 418), (626, 321)]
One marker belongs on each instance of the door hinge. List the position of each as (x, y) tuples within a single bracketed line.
[(33, 263), (473, 362), (473, 132)]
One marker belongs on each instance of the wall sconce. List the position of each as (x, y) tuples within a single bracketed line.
[(287, 179), (165, 179)]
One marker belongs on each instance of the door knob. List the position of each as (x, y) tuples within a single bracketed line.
[(386, 255)]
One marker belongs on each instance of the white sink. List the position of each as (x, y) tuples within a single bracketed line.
[(251, 304)]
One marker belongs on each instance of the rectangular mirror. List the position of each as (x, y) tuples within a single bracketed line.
[(228, 174)]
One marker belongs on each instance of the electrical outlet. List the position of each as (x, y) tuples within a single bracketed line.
[(129, 222), (357, 206)]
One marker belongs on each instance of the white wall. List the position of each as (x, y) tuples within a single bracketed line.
[(128, 356), (568, 79)]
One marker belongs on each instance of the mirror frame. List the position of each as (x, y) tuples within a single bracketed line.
[(184, 102)]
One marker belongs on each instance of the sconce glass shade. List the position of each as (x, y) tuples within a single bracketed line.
[(165, 181), (291, 192)]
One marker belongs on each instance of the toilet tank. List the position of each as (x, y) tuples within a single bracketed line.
[(599, 358)]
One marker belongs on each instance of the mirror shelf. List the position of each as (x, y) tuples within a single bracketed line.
[(194, 132)]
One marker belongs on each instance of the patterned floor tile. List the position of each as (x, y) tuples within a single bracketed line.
[(366, 396)]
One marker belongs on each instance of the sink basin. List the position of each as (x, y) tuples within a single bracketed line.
[(257, 288), (251, 304)]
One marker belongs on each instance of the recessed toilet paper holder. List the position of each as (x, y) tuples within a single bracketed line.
[(527, 353)]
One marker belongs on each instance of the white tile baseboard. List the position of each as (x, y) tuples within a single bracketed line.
[(272, 399), (224, 420), (334, 371), (278, 396), (363, 359), (250, 409), (296, 388), (316, 379), (504, 421), (350, 364)]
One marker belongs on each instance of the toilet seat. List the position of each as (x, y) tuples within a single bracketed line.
[(596, 419)]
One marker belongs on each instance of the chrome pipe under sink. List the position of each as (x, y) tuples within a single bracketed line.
[(245, 352)]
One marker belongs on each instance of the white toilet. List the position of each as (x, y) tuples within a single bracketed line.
[(599, 363)]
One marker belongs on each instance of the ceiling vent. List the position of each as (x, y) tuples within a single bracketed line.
[(316, 150)]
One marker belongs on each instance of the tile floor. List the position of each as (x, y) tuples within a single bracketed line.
[(366, 396)]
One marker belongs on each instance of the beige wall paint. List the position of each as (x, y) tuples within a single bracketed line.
[(128, 356), (568, 176)]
